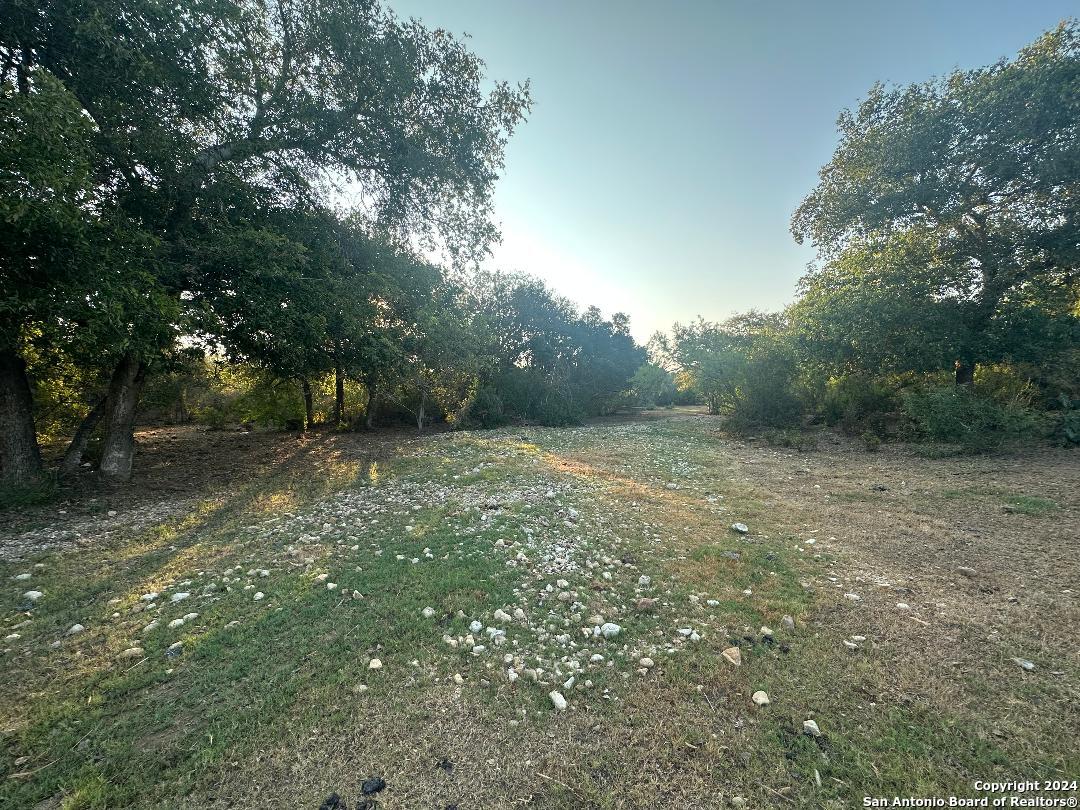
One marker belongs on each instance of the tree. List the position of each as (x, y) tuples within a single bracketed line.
[(962, 197), (188, 103), (653, 385)]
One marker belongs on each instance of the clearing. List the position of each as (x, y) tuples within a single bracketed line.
[(914, 585)]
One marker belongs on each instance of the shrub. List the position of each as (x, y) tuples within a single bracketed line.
[(795, 439), (957, 415), (858, 404), (871, 441), (484, 409)]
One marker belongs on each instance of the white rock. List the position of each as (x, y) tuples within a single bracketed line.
[(149, 597), (596, 658), (903, 606), (1024, 663), (741, 528), (610, 630), (811, 727), (12, 637), (179, 597), (558, 700), (131, 652), (428, 613), (33, 596), (458, 679), (75, 629), (475, 626), (21, 577), (644, 581), (374, 663), (175, 623), (502, 616), (331, 586), (259, 596), (760, 698), (189, 616), (647, 662), (852, 597)]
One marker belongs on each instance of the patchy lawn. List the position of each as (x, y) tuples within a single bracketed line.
[(403, 606)]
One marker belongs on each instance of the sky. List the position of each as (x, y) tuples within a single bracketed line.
[(670, 142)]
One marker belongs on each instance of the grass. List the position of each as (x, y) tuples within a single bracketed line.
[(273, 701)]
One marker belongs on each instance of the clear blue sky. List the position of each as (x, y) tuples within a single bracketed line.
[(670, 142)]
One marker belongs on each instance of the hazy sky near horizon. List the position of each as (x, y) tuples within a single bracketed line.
[(670, 142)]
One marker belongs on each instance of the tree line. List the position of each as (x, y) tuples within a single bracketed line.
[(945, 301), (226, 208), (259, 182)]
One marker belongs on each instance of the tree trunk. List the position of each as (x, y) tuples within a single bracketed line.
[(309, 407), (73, 456), (372, 406), (420, 413), (20, 459), (965, 372), (119, 448), (339, 394)]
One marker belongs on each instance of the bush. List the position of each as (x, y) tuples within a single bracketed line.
[(858, 404), (795, 439), (765, 395), (871, 441), (957, 415), (484, 409), (1069, 424)]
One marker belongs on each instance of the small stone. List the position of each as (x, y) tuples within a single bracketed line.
[(738, 801), (175, 649), (175, 623), (458, 679), (132, 652), (732, 655), (964, 571), (12, 637), (558, 700), (644, 581), (766, 632), (1024, 663), (331, 586), (179, 597), (647, 662), (741, 528), (810, 727), (502, 616), (788, 623), (760, 698), (374, 663), (32, 596), (428, 613), (852, 597), (851, 645), (903, 606), (75, 629), (475, 626), (21, 577), (610, 630), (259, 596)]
